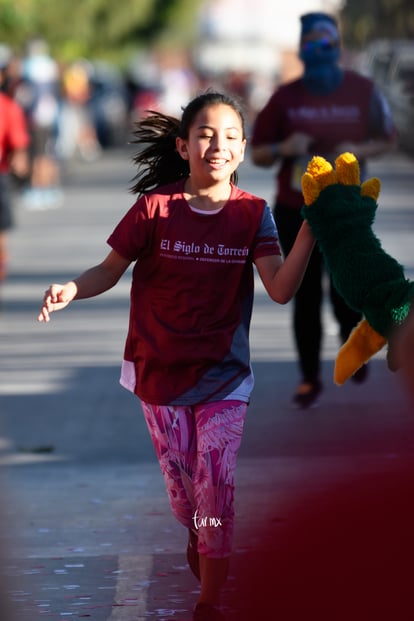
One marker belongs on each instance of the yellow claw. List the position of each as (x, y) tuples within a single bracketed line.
[(361, 345), (319, 174), (310, 189), (347, 169), (371, 187)]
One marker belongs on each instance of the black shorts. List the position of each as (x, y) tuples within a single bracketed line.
[(43, 141), (6, 211)]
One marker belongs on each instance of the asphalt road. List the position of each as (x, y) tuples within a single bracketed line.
[(88, 530)]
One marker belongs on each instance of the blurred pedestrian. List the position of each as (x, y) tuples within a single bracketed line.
[(39, 94), (14, 142), (194, 236), (326, 111), (77, 133)]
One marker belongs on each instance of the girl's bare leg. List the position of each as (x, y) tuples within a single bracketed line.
[(214, 573)]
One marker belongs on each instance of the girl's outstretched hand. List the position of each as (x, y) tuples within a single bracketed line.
[(56, 298)]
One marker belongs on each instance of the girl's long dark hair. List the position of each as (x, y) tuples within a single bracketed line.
[(157, 160)]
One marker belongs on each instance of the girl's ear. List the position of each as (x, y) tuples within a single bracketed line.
[(243, 149), (181, 146)]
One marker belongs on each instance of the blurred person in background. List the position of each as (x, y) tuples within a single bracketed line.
[(77, 133), (14, 142), (327, 111), (108, 104), (177, 80), (39, 94)]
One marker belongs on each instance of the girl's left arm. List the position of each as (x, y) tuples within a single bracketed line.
[(282, 279)]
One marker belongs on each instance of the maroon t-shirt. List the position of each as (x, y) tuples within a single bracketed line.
[(192, 293)]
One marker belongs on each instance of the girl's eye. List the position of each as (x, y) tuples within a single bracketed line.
[(210, 137)]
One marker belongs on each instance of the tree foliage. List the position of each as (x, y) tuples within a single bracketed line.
[(113, 29), (366, 20), (97, 28)]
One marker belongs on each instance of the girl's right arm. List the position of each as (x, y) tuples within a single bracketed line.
[(94, 281)]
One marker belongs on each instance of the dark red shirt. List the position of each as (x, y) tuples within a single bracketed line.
[(192, 294)]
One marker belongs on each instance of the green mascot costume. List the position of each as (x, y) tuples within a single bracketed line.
[(340, 211)]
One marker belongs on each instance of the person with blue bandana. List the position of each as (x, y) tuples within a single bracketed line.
[(326, 111)]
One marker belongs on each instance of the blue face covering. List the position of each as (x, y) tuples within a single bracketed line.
[(320, 56), (322, 74)]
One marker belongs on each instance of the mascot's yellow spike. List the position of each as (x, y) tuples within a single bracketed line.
[(371, 187), (319, 174), (310, 189), (347, 169)]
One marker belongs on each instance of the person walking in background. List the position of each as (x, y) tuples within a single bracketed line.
[(39, 95), (77, 133), (14, 143), (326, 111), (193, 236)]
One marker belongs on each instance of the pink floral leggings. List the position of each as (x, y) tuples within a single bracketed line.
[(197, 448)]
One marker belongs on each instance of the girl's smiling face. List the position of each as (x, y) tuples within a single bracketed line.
[(215, 145)]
